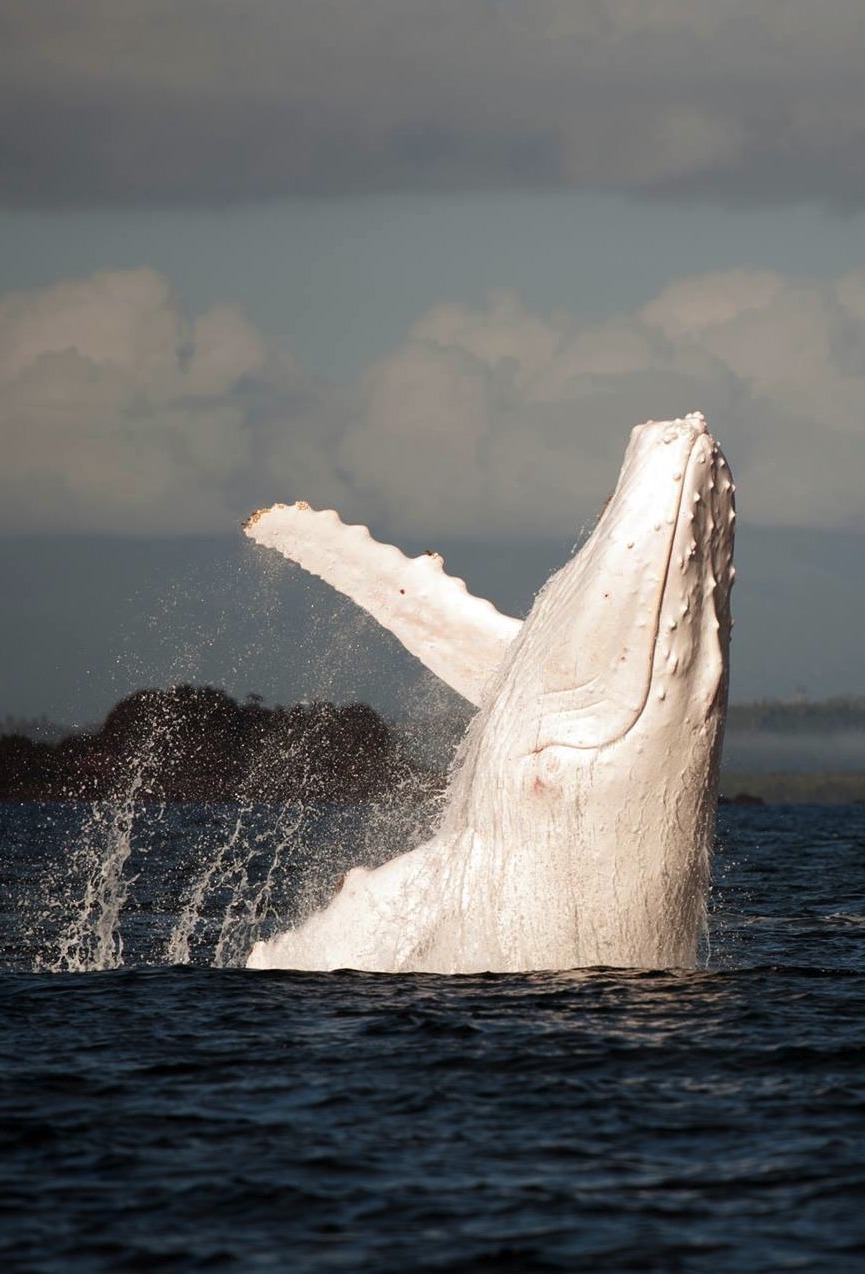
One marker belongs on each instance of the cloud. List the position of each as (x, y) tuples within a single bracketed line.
[(500, 420), (210, 103), (121, 413)]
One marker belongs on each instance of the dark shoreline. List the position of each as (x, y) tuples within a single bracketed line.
[(198, 745), (195, 744)]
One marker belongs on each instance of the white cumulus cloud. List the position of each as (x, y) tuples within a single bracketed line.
[(502, 419), (121, 413), (118, 412)]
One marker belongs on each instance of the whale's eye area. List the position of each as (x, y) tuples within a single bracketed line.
[(547, 770)]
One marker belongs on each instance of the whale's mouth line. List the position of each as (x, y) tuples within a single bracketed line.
[(563, 745)]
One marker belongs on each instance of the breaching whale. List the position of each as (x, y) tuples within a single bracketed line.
[(579, 817)]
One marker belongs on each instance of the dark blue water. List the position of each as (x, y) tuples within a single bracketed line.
[(198, 1118)]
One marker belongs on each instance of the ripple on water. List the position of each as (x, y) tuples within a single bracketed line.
[(187, 1117)]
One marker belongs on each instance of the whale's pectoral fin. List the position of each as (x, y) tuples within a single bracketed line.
[(461, 638)]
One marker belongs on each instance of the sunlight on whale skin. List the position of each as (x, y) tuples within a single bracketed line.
[(579, 817)]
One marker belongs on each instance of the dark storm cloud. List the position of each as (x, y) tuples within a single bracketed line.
[(217, 101)]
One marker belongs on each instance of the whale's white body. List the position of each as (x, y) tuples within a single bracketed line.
[(579, 818)]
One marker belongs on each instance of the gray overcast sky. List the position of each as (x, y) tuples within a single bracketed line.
[(218, 102), (340, 281), (428, 263)]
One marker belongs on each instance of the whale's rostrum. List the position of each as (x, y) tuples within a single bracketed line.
[(579, 816)]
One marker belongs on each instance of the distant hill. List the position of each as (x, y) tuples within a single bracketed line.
[(781, 717), (806, 788), (39, 729), (196, 743)]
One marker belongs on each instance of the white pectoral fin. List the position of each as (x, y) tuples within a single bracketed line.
[(461, 638)]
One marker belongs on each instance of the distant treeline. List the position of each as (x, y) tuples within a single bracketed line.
[(40, 729), (780, 788), (773, 716), (193, 743), (798, 717)]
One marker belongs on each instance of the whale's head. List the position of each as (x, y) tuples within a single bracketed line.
[(634, 630), (601, 734), (636, 626)]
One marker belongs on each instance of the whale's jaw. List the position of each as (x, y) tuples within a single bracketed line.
[(578, 823)]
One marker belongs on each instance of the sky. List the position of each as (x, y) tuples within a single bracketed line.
[(426, 262)]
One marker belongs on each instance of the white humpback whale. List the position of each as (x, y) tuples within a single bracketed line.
[(579, 816)]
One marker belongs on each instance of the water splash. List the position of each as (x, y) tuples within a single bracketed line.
[(91, 937), (147, 881), (230, 874)]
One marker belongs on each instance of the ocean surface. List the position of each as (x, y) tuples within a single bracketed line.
[(162, 1109)]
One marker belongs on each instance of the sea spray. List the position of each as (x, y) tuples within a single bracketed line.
[(217, 872), (150, 877), (91, 939), (94, 878), (146, 882), (251, 897), (94, 874)]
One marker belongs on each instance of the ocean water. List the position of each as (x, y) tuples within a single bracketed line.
[(162, 1109)]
